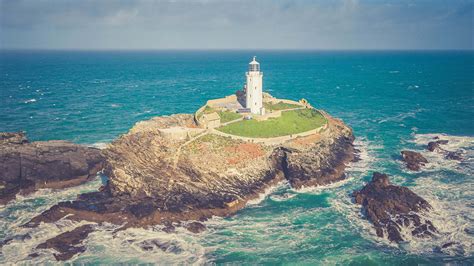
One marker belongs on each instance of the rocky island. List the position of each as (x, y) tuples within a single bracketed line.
[(182, 169), (185, 168)]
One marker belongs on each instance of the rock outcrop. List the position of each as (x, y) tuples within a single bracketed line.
[(25, 166), (436, 146), (414, 160), (391, 208), (68, 243)]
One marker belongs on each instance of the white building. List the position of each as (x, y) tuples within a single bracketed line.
[(253, 89)]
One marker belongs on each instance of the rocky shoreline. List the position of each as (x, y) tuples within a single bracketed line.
[(27, 166), (211, 176)]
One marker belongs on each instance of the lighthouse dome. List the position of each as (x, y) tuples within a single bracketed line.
[(254, 65)]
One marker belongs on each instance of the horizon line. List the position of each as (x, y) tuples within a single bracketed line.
[(237, 49)]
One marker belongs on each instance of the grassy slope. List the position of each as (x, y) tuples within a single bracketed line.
[(227, 116), (279, 106), (290, 122)]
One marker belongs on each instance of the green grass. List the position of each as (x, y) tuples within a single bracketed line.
[(207, 110), (227, 116), (290, 122), (279, 106)]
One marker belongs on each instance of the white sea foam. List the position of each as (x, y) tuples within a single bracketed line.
[(454, 142), (452, 199), (437, 160), (402, 116), (23, 209), (30, 100), (367, 156), (150, 245), (269, 190), (18, 251), (282, 197), (99, 145), (319, 189), (452, 215)]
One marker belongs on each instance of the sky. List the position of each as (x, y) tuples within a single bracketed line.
[(236, 24)]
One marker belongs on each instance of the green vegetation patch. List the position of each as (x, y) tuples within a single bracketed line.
[(206, 110), (216, 142), (290, 122), (227, 116), (279, 106)]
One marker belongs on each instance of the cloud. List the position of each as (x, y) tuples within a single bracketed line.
[(246, 24)]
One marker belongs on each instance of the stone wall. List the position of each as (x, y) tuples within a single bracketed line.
[(273, 141)]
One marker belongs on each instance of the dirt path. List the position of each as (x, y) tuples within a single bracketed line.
[(178, 152)]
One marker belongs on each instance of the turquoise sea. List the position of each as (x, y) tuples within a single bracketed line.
[(393, 100)]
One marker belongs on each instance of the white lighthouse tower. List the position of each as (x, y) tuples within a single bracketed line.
[(253, 88)]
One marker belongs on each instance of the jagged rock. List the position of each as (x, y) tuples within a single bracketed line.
[(391, 207), (68, 243), (450, 155), (435, 145), (154, 179), (152, 244), (195, 227), (28, 166), (414, 160), (13, 138), (454, 155)]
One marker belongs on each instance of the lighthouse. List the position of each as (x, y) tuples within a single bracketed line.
[(253, 88)]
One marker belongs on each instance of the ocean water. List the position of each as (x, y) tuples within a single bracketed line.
[(393, 101)]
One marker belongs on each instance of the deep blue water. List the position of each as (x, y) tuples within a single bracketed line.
[(393, 100)]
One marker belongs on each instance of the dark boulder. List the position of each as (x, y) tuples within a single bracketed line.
[(26, 166), (68, 243), (391, 207), (195, 227), (153, 244), (453, 155), (436, 145), (414, 160)]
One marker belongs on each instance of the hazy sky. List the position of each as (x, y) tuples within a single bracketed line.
[(232, 24)]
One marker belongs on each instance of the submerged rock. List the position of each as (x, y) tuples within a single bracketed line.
[(391, 207), (166, 246), (68, 243), (414, 160), (454, 155), (436, 145), (195, 227), (26, 166)]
